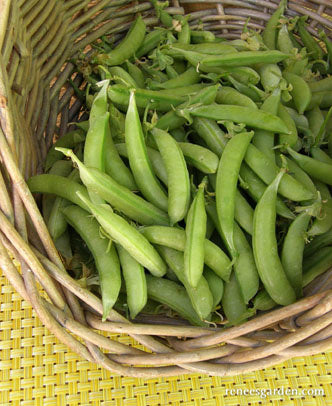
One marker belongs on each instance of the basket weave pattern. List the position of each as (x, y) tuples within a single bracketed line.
[(36, 106)]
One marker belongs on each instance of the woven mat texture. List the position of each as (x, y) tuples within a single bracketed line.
[(37, 370)]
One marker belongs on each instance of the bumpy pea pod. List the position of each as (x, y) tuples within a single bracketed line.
[(292, 251), (121, 198), (195, 237), (270, 32), (229, 95), (324, 222), (201, 297), (313, 48), (265, 247), (216, 286), (69, 140), (174, 237), (105, 256), (127, 236), (127, 47), (211, 134), (174, 296), (135, 280), (139, 161), (301, 92), (178, 181), (227, 177)]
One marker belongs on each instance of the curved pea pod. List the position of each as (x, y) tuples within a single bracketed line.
[(209, 48), (127, 47), (301, 92), (201, 36), (199, 157), (195, 237), (177, 175), (229, 95), (189, 77), (322, 85), (320, 155), (300, 175), (121, 198), (121, 76), (106, 259), (324, 222), (151, 41), (313, 48), (135, 280), (128, 237), (211, 134), (174, 296), (216, 285), (201, 297), (239, 114), (270, 76), (316, 169), (136, 73), (318, 242), (62, 244), (184, 33), (265, 247), (262, 301), (284, 42), (270, 32), (289, 139), (316, 120), (227, 178), (292, 251), (117, 123), (139, 161), (322, 261), (69, 140), (322, 99), (174, 237)]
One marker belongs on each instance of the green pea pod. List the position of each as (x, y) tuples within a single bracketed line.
[(316, 120), (265, 247), (322, 262), (177, 175), (270, 32), (284, 42), (328, 45), (189, 77), (184, 34), (199, 37), (171, 72), (139, 161), (106, 259), (229, 95), (119, 75), (313, 48), (320, 155), (300, 175), (262, 301), (174, 296), (199, 157), (291, 138), (227, 177), (318, 242), (121, 198), (135, 280), (292, 251), (301, 92), (208, 48), (136, 73), (195, 236), (243, 212), (127, 47), (216, 286), (324, 222), (201, 297), (239, 114), (127, 236), (62, 244), (211, 134), (321, 99), (174, 237), (117, 124), (322, 85), (151, 41)]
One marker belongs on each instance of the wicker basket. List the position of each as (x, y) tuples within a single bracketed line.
[(37, 37)]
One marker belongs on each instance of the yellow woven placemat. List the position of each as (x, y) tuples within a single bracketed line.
[(36, 369)]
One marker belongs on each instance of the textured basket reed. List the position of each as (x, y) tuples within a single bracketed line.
[(37, 37)]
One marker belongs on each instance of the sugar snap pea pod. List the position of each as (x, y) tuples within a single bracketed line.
[(265, 247), (174, 296), (117, 123), (318, 242), (321, 99), (321, 85), (316, 169), (195, 237), (244, 58), (62, 244), (227, 177), (229, 95), (233, 304), (328, 44), (244, 265), (313, 48), (171, 120), (178, 181), (316, 120), (322, 262), (239, 114), (262, 301), (106, 259), (119, 75), (151, 41), (270, 76), (245, 89), (120, 197), (139, 161), (171, 72), (134, 277), (201, 36), (174, 237), (289, 139), (201, 297), (216, 286), (324, 222), (300, 120), (127, 47), (270, 32), (320, 155), (211, 134), (267, 170), (189, 77), (155, 99), (179, 134), (59, 186), (136, 73), (299, 174), (255, 187), (127, 236), (69, 140), (209, 48), (199, 157), (184, 34), (292, 251), (284, 42), (301, 92)]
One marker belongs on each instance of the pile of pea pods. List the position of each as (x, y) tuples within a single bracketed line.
[(199, 186)]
